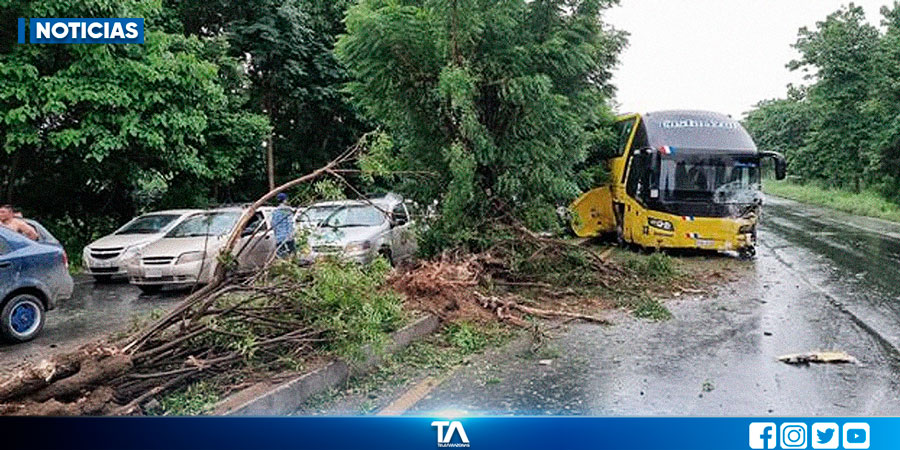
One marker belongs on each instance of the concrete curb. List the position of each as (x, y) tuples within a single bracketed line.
[(282, 399)]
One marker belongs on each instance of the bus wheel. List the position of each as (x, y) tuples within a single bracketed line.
[(748, 253)]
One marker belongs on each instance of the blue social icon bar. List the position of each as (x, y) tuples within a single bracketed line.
[(82, 31), (399, 433)]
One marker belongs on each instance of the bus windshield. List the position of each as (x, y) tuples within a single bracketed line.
[(716, 178)]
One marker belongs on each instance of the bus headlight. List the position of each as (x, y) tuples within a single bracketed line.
[(661, 224)]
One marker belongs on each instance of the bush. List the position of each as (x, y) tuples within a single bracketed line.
[(658, 265), (349, 301)]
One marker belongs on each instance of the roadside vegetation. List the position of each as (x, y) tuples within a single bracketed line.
[(435, 356), (864, 203), (841, 131), (469, 337)]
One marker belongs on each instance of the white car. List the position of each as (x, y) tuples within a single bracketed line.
[(106, 257), (310, 217), (361, 230), (187, 255)]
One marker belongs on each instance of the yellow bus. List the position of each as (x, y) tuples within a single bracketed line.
[(679, 179)]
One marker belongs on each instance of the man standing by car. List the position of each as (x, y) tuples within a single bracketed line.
[(283, 224), (9, 220)]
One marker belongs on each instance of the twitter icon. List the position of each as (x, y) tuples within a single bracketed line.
[(825, 435)]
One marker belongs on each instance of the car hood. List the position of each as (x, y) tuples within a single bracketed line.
[(342, 236), (124, 240), (177, 246)]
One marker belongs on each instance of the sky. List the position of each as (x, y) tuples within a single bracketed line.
[(718, 55)]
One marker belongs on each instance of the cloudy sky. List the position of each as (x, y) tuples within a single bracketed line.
[(720, 55)]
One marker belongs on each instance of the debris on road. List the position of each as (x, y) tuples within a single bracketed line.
[(818, 357), (545, 362)]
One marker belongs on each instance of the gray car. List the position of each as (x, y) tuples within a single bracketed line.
[(361, 230)]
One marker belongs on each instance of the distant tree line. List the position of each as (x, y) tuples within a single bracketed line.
[(842, 129), (480, 102)]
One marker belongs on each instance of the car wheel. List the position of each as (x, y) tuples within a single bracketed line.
[(150, 289), (22, 318), (102, 278)]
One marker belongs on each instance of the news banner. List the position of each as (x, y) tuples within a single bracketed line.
[(248, 433)]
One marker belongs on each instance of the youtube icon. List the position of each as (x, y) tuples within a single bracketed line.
[(856, 436)]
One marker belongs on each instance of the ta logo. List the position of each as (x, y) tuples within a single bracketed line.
[(453, 428)]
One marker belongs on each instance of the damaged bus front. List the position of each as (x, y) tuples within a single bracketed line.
[(680, 179)]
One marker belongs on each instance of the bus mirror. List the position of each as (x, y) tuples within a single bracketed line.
[(780, 167), (780, 164)]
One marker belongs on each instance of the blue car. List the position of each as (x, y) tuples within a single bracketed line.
[(34, 275)]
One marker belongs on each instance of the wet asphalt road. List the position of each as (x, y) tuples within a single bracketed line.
[(94, 311), (822, 280)]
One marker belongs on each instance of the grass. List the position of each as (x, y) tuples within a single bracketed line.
[(467, 337), (865, 203), (658, 266), (435, 354), (196, 399), (646, 307)]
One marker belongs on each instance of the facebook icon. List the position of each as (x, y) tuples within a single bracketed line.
[(762, 435)]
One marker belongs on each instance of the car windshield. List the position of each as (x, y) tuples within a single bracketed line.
[(722, 179), (148, 224), (316, 214), (355, 216), (205, 224)]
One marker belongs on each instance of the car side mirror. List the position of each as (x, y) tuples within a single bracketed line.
[(780, 164)]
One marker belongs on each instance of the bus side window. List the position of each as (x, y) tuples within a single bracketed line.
[(637, 175), (623, 132)]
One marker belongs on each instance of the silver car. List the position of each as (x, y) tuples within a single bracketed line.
[(107, 257), (363, 229), (310, 217), (188, 254)]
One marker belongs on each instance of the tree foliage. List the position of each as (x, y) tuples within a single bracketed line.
[(294, 78), (782, 125), (92, 134), (495, 102), (843, 129), (95, 132)]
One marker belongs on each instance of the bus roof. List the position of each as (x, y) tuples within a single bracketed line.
[(696, 130)]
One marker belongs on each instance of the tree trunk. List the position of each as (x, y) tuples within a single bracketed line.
[(11, 177), (270, 150)]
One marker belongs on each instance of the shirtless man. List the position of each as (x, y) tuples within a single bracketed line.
[(9, 220)]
